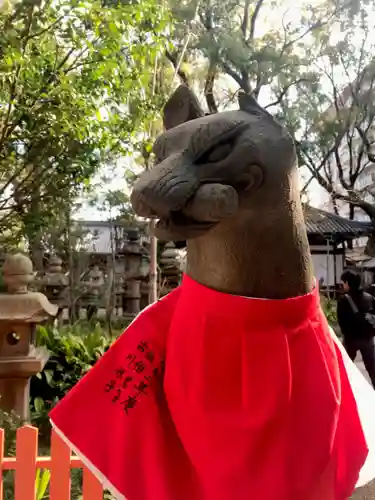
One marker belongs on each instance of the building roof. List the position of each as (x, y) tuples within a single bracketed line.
[(325, 224)]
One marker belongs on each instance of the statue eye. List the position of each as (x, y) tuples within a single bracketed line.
[(216, 153)]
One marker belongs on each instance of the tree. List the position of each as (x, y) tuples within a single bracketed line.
[(296, 68), (228, 38), (336, 130), (74, 80)]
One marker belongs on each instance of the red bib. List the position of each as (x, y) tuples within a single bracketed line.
[(210, 396)]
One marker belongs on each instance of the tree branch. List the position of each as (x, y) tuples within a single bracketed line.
[(45, 30), (64, 59), (342, 179), (356, 201), (310, 29), (236, 77), (315, 171), (173, 59), (284, 92), (83, 63), (366, 143), (245, 19)]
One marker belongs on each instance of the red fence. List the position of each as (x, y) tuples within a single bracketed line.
[(27, 462)]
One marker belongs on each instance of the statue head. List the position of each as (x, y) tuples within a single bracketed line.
[(210, 168)]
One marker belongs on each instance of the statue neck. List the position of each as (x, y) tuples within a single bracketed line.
[(265, 255)]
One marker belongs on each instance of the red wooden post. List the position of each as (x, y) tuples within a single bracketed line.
[(26, 455), (60, 463), (92, 489), (60, 469)]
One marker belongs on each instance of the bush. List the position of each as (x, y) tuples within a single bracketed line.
[(73, 351), (10, 423), (329, 307)]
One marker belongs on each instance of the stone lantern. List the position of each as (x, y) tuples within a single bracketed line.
[(94, 288), (170, 268), (133, 274), (145, 278), (20, 312), (55, 282)]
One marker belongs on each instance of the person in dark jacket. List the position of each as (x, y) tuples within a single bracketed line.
[(357, 336)]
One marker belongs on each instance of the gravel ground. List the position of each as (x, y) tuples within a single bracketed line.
[(365, 493)]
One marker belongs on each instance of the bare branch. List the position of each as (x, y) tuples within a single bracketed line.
[(315, 170), (349, 142), (343, 129), (318, 24), (365, 141), (285, 91)]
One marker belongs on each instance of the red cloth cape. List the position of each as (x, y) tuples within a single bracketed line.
[(209, 396)]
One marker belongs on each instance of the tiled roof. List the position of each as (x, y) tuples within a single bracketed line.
[(322, 223)]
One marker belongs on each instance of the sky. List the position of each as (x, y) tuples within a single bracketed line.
[(115, 176)]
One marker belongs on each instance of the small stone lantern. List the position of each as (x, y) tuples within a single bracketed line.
[(54, 282), (94, 288), (20, 312), (133, 275), (170, 268)]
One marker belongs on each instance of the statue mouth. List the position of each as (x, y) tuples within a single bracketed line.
[(211, 204), (179, 227)]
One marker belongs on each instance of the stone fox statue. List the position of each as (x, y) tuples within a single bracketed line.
[(232, 387)]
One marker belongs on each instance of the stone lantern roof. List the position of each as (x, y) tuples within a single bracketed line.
[(19, 304)]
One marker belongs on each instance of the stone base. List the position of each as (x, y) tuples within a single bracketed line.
[(15, 374)]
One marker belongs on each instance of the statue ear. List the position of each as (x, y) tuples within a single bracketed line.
[(181, 107), (250, 105)]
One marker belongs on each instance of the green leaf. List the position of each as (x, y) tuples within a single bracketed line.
[(39, 405), (42, 481), (49, 376), (58, 82)]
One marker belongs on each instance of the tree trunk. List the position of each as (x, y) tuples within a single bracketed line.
[(36, 252), (31, 216), (351, 211), (71, 274)]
